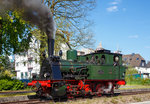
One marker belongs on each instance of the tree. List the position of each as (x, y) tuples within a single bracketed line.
[(14, 34), (5, 63), (74, 13), (14, 37), (42, 40)]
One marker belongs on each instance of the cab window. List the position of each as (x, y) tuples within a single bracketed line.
[(103, 59)]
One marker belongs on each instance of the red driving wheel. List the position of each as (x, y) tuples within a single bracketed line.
[(99, 90)]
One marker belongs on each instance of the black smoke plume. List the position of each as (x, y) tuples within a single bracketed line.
[(33, 11)]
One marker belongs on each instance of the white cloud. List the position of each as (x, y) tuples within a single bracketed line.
[(115, 2), (114, 6), (112, 9), (133, 36)]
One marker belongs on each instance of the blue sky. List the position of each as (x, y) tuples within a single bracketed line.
[(123, 24)]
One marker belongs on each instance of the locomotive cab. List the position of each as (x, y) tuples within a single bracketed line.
[(103, 64)]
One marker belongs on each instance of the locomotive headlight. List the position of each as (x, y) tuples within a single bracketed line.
[(46, 75), (116, 59)]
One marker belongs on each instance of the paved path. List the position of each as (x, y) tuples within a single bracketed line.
[(145, 102)]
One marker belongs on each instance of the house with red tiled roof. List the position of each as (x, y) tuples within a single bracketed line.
[(134, 60), (138, 62)]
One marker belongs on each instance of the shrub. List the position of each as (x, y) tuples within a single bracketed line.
[(145, 81), (137, 81), (133, 80), (18, 85), (7, 84), (6, 74), (4, 77)]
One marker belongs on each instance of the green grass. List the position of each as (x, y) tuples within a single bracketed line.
[(15, 90), (10, 95)]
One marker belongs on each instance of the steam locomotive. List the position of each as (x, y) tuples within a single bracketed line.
[(96, 73)]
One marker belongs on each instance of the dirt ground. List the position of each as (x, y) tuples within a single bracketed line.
[(134, 87), (111, 100)]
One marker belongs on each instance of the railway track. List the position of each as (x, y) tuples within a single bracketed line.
[(32, 100), (132, 91)]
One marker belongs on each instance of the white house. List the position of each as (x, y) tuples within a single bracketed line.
[(26, 63), (143, 70)]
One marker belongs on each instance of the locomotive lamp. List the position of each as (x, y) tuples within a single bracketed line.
[(60, 53), (47, 75)]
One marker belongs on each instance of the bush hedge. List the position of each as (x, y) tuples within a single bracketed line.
[(132, 80), (6, 83), (138, 81)]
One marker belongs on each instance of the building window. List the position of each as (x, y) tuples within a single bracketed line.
[(24, 63), (35, 41), (125, 59), (21, 75), (26, 75), (137, 58), (30, 61), (17, 64), (24, 54), (133, 54), (142, 63)]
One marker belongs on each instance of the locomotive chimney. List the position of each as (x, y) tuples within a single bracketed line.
[(50, 47)]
